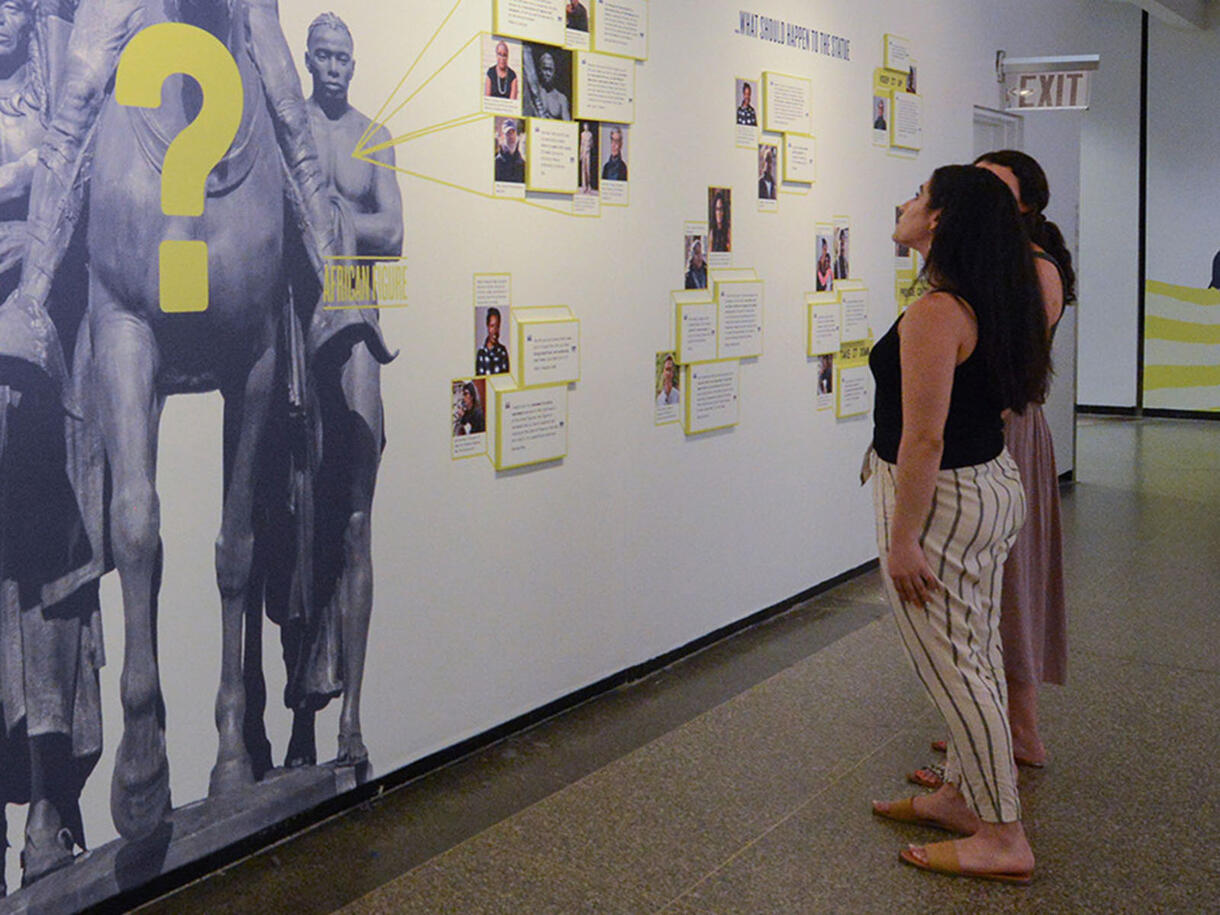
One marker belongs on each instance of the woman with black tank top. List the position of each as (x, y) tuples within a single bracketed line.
[(1033, 616), (949, 499)]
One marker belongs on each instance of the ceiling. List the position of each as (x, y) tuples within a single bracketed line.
[(1185, 14)]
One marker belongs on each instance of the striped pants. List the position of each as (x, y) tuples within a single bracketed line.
[(954, 642)]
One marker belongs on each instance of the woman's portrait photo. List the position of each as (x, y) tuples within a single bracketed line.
[(501, 70), (824, 269), (719, 218)]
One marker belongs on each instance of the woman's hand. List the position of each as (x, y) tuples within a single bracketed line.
[(912, 576)]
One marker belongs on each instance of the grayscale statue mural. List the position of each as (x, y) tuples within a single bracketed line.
[(87, 360)]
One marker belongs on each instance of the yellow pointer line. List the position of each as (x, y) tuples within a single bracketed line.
[(421, 132), (470, 190), (368, 132), (443, 66)]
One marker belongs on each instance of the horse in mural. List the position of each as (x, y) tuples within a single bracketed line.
[(145, 355)]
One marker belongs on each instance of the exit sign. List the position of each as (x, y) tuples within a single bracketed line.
[(1055, 90)]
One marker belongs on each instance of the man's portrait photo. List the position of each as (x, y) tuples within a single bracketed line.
[(469, 395), (768, 154), (842, 255), (614, 141), (510, 151), (548, 82), (747, 115), (666, 382), (696, 265)]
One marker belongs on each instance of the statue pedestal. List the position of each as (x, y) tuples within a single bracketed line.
[(190, 833)]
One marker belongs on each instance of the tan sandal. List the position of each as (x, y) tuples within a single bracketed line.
[(904, 812), (941, 858)]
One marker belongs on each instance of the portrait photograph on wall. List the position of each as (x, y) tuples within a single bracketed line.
[(548, 82), (768, 185), (747, 113), (666, 393), (491, 340), (588, 158), (468, 397), (824, 271), (614, 164), (696, 262), (500, 75), (508, 160), (720, 219)]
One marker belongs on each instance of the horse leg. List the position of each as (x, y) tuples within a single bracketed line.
[(257, 744), (302, 745), (130, 414), (245, 414), (361, 384)]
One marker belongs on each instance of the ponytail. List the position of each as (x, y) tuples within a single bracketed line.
[(1047, 236)]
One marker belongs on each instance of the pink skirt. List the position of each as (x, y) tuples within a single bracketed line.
[(1033, 619)]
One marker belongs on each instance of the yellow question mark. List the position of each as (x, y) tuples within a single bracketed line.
[(152, 56)]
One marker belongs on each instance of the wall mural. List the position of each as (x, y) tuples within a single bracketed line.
[(162, 259)]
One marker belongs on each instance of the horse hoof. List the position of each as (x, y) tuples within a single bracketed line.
[(302, 750), (352, 751), (139, 789), (229, 776), (48, 845)]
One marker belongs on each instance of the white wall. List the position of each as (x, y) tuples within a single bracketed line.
[(1183, 165), (1109, 211), (1182, 357)]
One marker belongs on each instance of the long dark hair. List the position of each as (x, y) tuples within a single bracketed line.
[(980, 252), (1036, 194)]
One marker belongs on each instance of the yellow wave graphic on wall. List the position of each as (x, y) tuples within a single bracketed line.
[(1181, 346)]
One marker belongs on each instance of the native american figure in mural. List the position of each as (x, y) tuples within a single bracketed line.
[(251, 336)]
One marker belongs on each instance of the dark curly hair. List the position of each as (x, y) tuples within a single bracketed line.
[(981, 253), (1036, 194)]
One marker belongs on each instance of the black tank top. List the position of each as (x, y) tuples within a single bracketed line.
[(974, 428)]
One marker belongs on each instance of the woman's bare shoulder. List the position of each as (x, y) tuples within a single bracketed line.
[(940, 307)]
